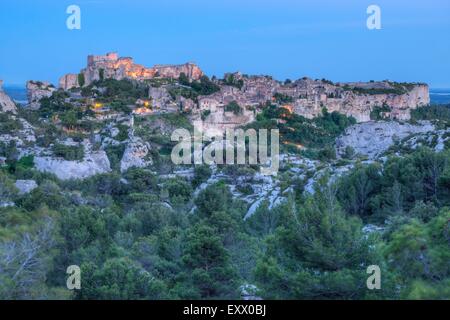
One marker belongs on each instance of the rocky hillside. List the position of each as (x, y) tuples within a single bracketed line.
[(86, 178), (6, 103), (185, 87)]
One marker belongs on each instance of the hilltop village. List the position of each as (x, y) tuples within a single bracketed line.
[(114, 97), (236, 99)]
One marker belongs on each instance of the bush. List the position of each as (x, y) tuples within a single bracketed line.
[(8, 124), (179, 190), (81, 79), (70, 153), (327, 154), (201, 174), (230, 80), (282, 98), (377, 112), (234, 107), (123, 132), (115, 154), (433, 112), (205, 114)]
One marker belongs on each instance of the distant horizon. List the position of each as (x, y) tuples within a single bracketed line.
[(18, 93), (23, 86)]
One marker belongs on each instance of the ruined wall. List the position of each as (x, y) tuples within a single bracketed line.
[(69, 81), (114, 67)]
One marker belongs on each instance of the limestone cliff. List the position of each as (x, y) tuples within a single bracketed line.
[(93, 163), (136, 155), (375, 137), (36, 90), (309, 97), (6, 103)]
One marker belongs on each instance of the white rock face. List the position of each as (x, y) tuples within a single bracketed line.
[(69, 81), (135, 155), (37, 90), (93, 163), (374, 138), (6, 103), (25, 186)]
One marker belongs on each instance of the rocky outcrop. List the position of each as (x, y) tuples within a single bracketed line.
[(93, 163), (374, 138), (160, 97), (136, 155), (309, 97), (111, 66), (36, 90), (192, 71), (69, 81), (218, 120), (25, 186), (6, 103), (358, 100)]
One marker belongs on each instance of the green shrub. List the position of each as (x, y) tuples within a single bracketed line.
[(433, 112), (205, 114), (234, 107), (81, 80), (70, 153), (8, 124), (377, 112), (115, 154), (201, 174), (281, 98)]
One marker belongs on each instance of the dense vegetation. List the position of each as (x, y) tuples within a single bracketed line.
[(192, 89), (378, 112), (231, 80), (234, 107), (313, 137), (142, 234), (139, 241), (68, 152), (433, 112)]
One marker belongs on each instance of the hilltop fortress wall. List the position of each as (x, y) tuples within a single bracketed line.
[(111, 66)]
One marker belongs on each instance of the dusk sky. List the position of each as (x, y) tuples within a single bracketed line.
[(283, 38)]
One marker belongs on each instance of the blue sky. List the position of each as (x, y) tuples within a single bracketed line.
[(283, 38)]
